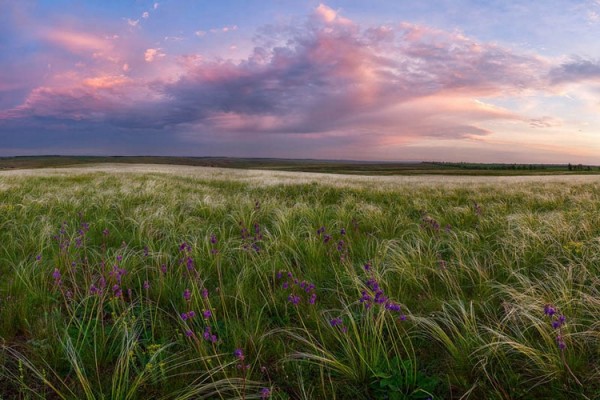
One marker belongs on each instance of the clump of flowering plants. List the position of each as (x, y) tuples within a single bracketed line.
[(300, 292), (557, 321)]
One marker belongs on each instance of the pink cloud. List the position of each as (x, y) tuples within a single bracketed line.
[(106, 82), (328, 15), (77, 42), (153, 54), (69, 104), (457, 63), (325, 13), (330, 80)]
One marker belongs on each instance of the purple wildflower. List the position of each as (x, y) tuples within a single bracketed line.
[(187, 295), (185, 247), (366, 299), (373, 285), (213, 238), (294, 299), (204, 293), (342, 231), (239, 354), (380, 298), (56, 275), (560, 341), (190, 263), (265, 393), (189, 333), (557, 322), (549, 310), (560, 321), (146, 285), (208, 335), (120, 273), (376, 295), (207, 314), (335, 321)]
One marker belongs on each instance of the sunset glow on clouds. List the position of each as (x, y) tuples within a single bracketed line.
[(335, 80)]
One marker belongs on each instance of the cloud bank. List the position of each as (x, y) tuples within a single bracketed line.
[(330, 83)]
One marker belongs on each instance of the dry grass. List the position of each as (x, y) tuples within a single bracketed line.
[(268, 178)]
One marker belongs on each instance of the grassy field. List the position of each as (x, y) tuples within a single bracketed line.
[(319, 166), (185, 282)]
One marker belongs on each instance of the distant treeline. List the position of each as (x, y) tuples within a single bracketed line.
[(516, 167)]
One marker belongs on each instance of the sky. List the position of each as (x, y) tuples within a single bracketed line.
[(394, 80)]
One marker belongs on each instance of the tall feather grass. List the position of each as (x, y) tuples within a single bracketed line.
[(471, 262)]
